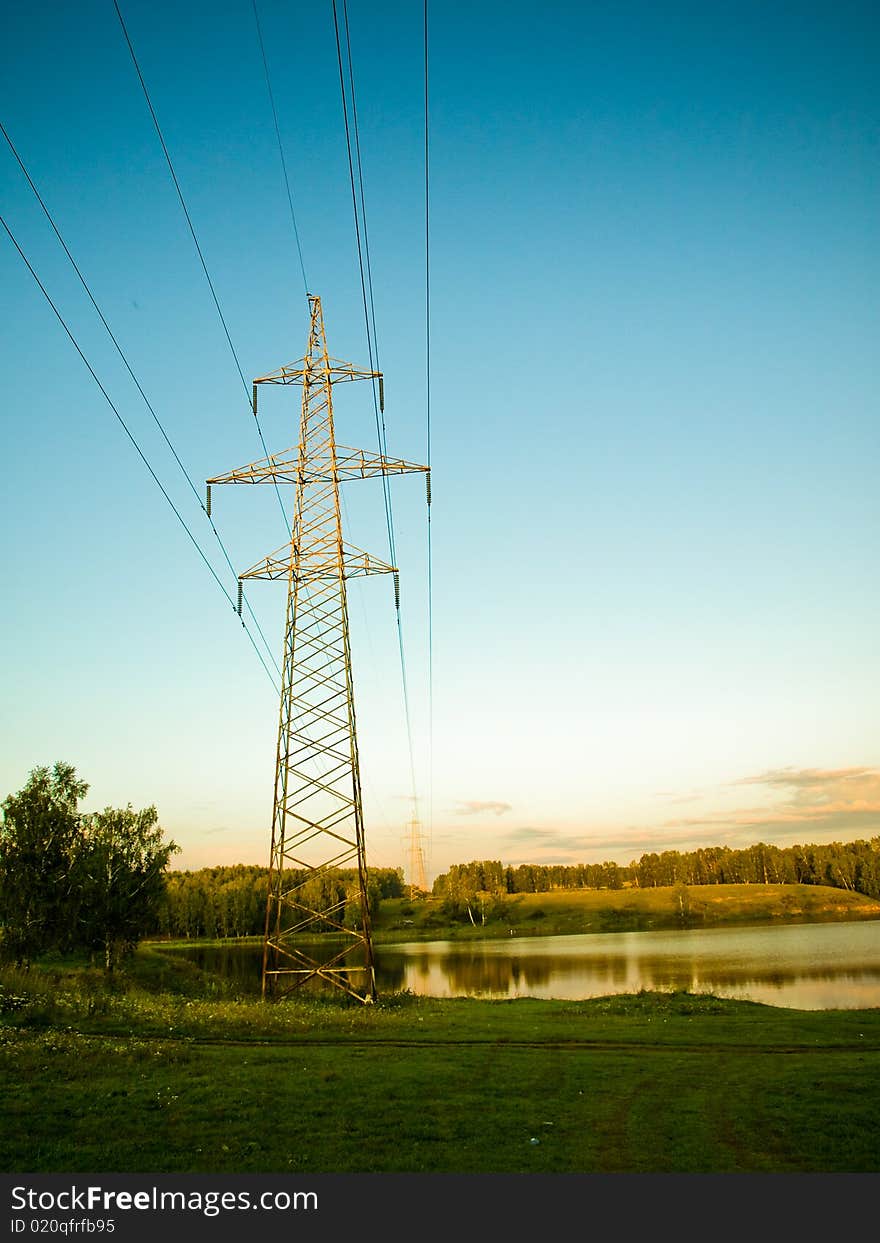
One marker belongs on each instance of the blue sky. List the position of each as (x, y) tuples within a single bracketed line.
[(655, 312)]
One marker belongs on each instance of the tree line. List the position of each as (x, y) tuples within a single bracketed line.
[(842, 865), (231, 901), (100, 882), (75, 881)]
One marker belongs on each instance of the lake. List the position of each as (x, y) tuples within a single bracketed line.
[(803, 966)]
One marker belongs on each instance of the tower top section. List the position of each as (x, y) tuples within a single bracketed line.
[(317, 364)]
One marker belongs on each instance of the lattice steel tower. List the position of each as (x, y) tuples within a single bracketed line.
[(415, 856), (317, 818)]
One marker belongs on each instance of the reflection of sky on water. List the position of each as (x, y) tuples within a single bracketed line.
[(805, 966), (825, 966)]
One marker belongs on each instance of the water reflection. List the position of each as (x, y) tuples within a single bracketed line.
[(820, 966), (476, 972)]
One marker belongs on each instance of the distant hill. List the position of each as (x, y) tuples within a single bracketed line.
[(569, 911)]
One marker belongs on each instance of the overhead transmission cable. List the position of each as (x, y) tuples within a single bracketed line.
[(128, 367), (362, 247), (357, 149), (134, 442), (328, 763), (360, 221), (382, 861), (372, 343), (280, 147), (168, 160), (428, 451)]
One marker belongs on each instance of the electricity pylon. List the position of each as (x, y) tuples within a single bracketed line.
[(317, 817), (416, 859)]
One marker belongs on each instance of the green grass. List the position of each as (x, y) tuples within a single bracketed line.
[(151, 1074), (567, 911)]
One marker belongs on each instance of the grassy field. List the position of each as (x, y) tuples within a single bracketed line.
[(566, 911), (147, 1075)]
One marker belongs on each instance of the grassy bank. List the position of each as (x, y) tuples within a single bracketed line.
[(564, 912), (149, 1074), (567, 911)]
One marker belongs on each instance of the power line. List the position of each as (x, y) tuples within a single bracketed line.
[(280, 149), (377, 406), (386, 491), (137, 447), (428, 450), (328, 767), (127, 365), (290, 203), (195, 239), (366, 279), (357, 148)]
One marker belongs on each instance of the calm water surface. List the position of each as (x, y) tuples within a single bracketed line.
[(804, 966)]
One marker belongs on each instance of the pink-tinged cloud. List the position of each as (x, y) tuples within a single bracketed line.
[(473, 807), (822, 805), (532, 845), (825, 788)]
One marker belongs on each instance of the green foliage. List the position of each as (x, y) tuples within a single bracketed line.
[(38, 834), (852, 865), (620, 919), (118, 873), (72, 881), (231, 901)]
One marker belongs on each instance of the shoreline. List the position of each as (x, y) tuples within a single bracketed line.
[(569, 912)]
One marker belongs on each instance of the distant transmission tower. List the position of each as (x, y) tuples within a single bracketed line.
[(317, 818), (416, 859)]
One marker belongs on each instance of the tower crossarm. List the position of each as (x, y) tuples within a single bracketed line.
[(288, 467), (316, 371), (359, 464), (320, 563)]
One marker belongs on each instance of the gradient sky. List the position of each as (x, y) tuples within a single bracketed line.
[(655, 275)]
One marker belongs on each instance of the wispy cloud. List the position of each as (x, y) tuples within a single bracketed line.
[(819, 805), (822, 786), (528, 836), (474, 807), (553, 846)]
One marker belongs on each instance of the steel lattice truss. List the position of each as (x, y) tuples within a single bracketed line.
[(317, 821), (416, 859)]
